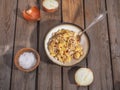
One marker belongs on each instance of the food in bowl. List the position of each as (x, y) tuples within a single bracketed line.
[(27, 59), (64, 45)]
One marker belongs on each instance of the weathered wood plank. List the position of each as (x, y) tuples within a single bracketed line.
[(99, 56), (113, 7), (49, 74), (73, 13), (7, 27), (26, 36)]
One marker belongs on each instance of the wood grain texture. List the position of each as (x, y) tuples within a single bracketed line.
[(7, 27), (99, 56), (26, 36), (114, 26), (72, 11), (103, 57), (49, 74)]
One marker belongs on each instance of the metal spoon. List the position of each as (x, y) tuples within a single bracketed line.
[(96, 20)]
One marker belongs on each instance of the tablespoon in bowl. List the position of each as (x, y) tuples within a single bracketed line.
[(96, 20)]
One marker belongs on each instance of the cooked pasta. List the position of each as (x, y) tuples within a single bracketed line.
[(64, 46)]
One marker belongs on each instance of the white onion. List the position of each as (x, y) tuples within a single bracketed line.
[(84, 77), (50, 4)]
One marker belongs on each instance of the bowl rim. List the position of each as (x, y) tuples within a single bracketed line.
[(68, 23), (19, 52)]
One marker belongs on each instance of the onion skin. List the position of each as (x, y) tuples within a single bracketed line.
[(26, 16), (33, 14)]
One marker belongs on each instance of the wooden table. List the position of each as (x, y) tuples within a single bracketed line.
[(103, 58)]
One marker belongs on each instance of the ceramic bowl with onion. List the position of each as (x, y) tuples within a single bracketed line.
[(84, 41)]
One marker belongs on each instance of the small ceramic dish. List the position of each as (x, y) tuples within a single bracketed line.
[(72, 27), (21, 51)]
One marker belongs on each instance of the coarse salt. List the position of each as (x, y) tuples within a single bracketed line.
[(27, 60)]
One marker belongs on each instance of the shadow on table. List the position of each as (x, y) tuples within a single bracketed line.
[(6, 58), (71, 74), (117, 85)]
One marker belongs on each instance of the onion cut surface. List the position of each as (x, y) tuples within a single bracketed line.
[(84, 77), (50, 5)]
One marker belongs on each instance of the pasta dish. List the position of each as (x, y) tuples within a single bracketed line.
[(65, 46)]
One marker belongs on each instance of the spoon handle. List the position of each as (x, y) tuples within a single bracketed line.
[(96, 20)]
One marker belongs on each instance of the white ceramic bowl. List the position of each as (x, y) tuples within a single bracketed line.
[(84, 42)]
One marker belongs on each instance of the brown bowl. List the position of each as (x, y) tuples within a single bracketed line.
[(26, 50)]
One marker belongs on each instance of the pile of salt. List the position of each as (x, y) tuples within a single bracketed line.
[(27, 60)]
